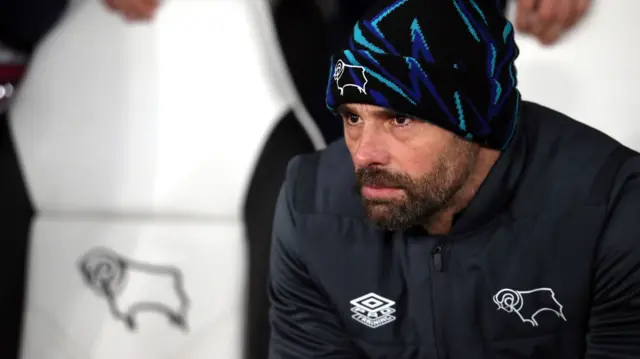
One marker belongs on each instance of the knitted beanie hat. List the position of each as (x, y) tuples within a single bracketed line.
[(448, 62)]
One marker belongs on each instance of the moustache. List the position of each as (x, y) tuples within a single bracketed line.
[(377, 177)]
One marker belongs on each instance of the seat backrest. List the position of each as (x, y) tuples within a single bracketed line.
[(592, 73), (138, 143)]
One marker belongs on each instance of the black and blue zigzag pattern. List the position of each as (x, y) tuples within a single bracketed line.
[(368, 43)]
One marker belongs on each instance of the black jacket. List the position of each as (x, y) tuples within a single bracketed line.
[(543, 264)]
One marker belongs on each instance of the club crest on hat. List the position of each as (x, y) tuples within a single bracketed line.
[(350, 76)]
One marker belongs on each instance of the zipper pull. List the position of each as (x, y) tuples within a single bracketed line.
[(436, 254)]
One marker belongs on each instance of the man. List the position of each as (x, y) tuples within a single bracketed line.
[(454, 220)]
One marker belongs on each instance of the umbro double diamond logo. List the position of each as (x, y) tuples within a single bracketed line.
[(373, 310)]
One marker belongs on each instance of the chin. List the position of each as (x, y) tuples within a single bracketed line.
[(379, 211), (396, 215), (384, 215)]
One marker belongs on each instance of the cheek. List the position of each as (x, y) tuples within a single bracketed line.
[(421, 151), (352, 132), (415, 163), (352, 145), (352, 136)]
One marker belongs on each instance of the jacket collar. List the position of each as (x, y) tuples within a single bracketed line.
[(497, 190)]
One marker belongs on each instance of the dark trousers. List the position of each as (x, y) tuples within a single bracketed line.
[(16, 213), (287, 140)]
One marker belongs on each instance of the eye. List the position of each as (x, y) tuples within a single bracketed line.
[(401, 121), (351, 119)]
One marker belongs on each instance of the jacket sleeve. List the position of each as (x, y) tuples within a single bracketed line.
[(303, 324), (614, 323)]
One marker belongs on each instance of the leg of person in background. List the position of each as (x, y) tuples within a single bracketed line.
[(302, 31), (264, 188), (16, 212), (23, 24), (503, 5)]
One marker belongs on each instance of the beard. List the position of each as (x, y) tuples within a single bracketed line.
[(424, 196)]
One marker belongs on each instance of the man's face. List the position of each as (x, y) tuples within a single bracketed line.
[(406, 169)]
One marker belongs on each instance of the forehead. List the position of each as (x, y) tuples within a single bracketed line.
[(366, 110)]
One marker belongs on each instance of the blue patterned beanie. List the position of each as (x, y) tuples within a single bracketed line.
[(449, 62)]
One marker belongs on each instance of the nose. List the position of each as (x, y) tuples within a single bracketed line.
[(370, 150)]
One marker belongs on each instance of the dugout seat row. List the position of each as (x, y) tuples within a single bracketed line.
[(151, 154)]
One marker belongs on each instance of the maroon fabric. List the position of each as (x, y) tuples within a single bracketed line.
[(11, 73)]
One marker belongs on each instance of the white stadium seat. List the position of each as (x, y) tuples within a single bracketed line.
[(591, 74), (139, 144)]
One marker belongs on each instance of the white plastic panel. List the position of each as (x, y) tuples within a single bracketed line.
[(68, 317), (160, 118), (592, 74)]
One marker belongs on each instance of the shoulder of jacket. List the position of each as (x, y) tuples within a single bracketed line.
[(568, 162), (322, 182)]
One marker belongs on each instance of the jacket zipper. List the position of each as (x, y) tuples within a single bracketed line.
[(436, 256)]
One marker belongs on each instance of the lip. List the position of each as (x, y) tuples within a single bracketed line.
[(380, 192)]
